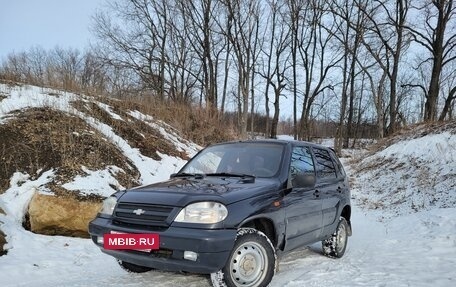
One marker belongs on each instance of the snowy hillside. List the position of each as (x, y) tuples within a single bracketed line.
[(410, 175), (19, 98), (403, 196), (64, 149)]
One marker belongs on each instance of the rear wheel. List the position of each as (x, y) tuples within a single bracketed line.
[(252, 262), (336, 245), (133, 268)]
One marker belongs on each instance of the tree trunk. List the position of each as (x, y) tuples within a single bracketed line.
[(275, 119), (430, 107), (448, 101)]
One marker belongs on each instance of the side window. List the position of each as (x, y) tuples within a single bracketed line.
[(325, 166), (340, 168), (301, 162)]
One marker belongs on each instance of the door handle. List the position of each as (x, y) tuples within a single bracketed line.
[(316, 193)]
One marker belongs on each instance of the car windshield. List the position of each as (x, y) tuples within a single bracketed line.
[(237, 159)]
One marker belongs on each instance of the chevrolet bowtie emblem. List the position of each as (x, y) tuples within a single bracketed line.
[(139, 211)]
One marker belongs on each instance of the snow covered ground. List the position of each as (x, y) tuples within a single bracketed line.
[(414, 249), (411, 250), (408, 176), (401, 237)]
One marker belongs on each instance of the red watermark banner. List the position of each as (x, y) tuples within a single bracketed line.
[(143, 242)]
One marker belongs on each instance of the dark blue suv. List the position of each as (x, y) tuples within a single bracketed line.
[(229, 211)]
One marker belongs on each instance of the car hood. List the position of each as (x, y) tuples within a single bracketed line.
[(183, 191)]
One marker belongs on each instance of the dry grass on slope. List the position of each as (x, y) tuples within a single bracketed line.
[(39, 139), (414, 132), (137, 133), (193, 122)]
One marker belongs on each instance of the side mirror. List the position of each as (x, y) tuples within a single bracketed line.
[(304, 180)]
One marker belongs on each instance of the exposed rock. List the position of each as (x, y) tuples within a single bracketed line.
[(2, 237), (2, 243), (61, 215)]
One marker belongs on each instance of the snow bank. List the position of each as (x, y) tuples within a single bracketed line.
[(16, 199), (410, 175), (99, 182)]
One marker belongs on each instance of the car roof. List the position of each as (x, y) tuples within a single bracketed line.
[(277, 141)]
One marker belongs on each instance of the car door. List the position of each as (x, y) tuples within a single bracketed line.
[(302, 204), (329, 185)]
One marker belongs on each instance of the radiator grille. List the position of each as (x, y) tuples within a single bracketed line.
[(137, 215)]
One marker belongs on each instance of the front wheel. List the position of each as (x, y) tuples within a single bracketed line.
[(252, 262), (336, 245)]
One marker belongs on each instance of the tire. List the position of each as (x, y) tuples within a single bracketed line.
[(133, 268), (336, 245), (252, 250)]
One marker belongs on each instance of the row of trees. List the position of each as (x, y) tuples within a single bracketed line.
[(68, 69), (388, 62)]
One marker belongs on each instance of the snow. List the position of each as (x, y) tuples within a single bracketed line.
[(410, 175), (169, 134), (149, 169), (108, 109), (22, 187), (19, 98), (23, 97), (285, 137), (403, 217), (98, 182), (413, 250), (434, 147)]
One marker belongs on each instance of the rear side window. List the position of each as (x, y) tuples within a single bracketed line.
[(324, 165), (301, 162), (340, 168)]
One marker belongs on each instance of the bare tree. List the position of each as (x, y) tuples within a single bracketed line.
[(449, 84), (295, 11), (244, 16), (437, 36), (387, 42), (201, 36), (136, 40), (349, 22), (276, 66), (316, 59), (92, 75)]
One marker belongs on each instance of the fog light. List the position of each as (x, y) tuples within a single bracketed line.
[(100, 240), (190, 255)]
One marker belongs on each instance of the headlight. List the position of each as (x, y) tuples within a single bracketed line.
[(202, 212), (108, 205)]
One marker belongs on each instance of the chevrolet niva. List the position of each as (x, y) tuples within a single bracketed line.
[(230, 211)]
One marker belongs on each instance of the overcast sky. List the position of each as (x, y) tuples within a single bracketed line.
[(45, 23)]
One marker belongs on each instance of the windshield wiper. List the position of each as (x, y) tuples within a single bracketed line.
[(185, 174), (230, 174)]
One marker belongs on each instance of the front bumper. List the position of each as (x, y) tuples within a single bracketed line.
[(213, 247)]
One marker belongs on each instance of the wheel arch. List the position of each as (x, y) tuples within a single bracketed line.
[(346, 213), (263, 224)]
